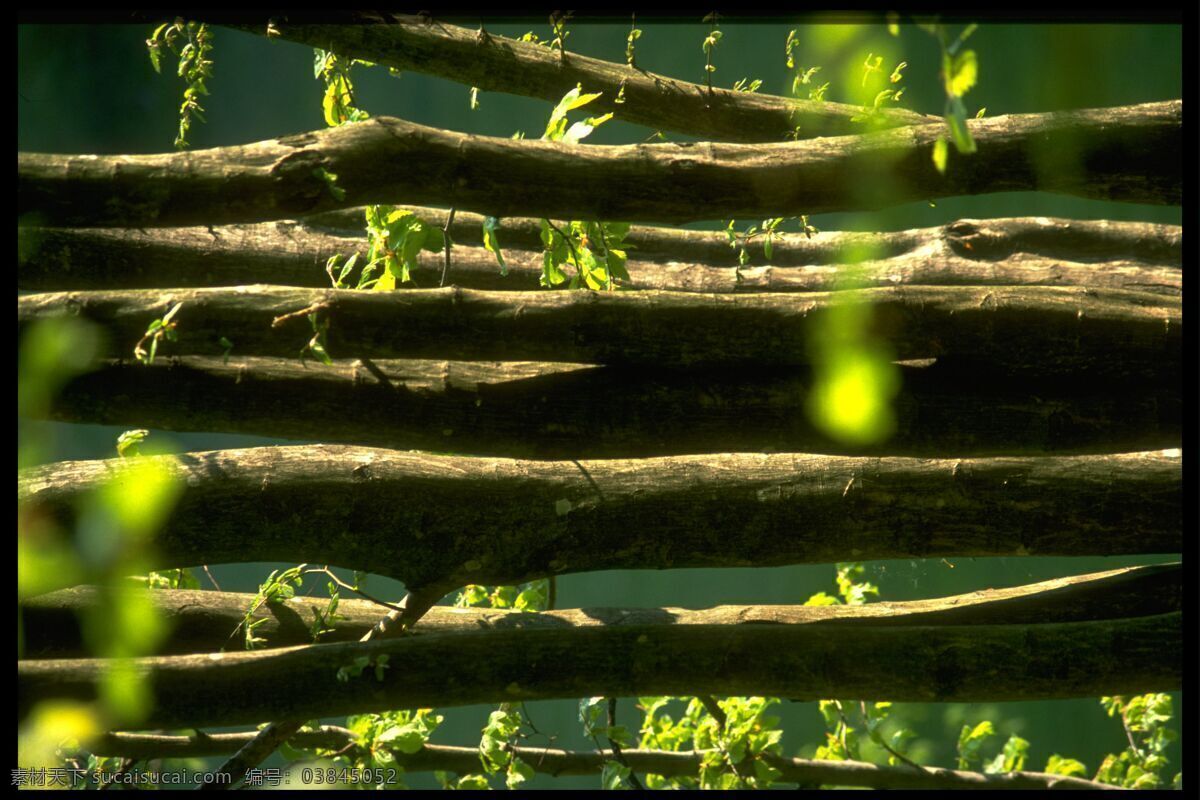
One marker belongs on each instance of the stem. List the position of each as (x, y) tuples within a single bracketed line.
[(447, 244)]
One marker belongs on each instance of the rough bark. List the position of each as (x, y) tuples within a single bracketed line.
[(558, 411), (1077, 240), (440, 522), (287, 253), (202, 621), (1031, 331), (555, 761), (500, 64), (976, 663), (1130, 154)]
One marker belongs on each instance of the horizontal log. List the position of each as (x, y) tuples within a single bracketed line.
[(557, 762), (558, 411), (1129, 154), (499, 64), (969, 663), (285, 253), (1034, 330), (201, 621), (1077, 240), (440, 522)]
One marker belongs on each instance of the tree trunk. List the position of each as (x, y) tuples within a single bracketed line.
[(1130, 154), (1027, 331)]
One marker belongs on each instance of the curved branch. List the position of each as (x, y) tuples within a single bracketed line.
[(1032, 331), (500, 64), (201, 621), (440, 522), (1129, 154), (975, 663)]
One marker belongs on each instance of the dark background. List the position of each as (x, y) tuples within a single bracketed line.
[(91, 89)]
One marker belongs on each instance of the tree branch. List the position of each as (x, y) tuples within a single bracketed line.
[(977, 663), (439, 522), (500, 64), (201, 620), (991, 252), (1027, 331), (1089, 241), (1129, 154), (555, 761), (561, 411)]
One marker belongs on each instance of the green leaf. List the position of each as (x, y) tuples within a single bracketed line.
[(616, 264), (581, 130), (956, 120), (940, 153), (552, 274), (492, 244), (1057, 765), (571, 100), (964, 72)]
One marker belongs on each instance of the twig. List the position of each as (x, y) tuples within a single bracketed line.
[(304, 312), (616, 748), (447, 245)]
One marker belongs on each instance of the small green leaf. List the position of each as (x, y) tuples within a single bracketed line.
[(492, 244), (940, 153), (964, 70)]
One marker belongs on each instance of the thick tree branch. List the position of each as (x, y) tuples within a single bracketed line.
[(1079, 240), (1032, 331), (974, 663), (500, 64), (562, 411), (440, 522), (1130, 154), (202, 621), (554, 761), (992, 252)]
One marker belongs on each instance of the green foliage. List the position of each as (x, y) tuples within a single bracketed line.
[(532, 596), (330, 180), (872, 113), (192, 43), (129, 442), (1142, 765), (747, 85), (769, 230), (970, 742), (316, 345), (959, 73), (558, 27), (162, 328), (338, 104), (635, 33), (710, 43), (378, 738), (396, 237), (492, 244), (172, 579)]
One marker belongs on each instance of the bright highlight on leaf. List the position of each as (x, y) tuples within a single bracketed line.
[(940, 153)]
